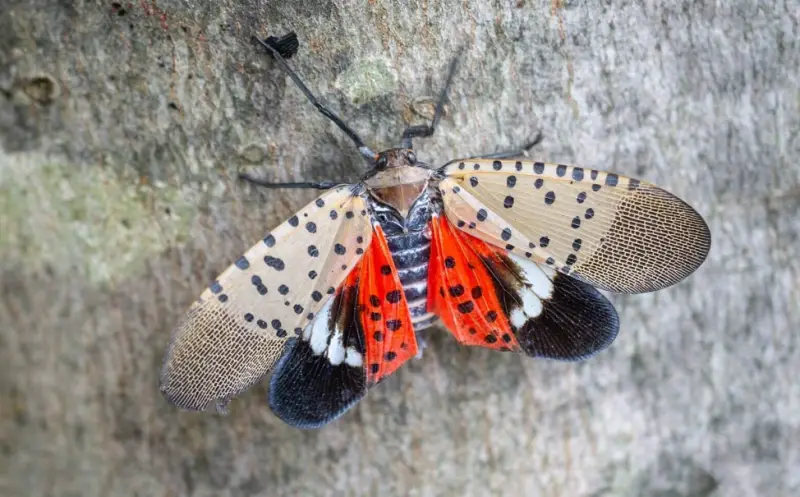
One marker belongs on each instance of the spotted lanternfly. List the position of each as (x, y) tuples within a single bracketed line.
[(505, 253)]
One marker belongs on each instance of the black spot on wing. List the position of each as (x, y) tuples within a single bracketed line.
[(307, 391)]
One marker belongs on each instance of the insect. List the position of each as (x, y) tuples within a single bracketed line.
[(505, 253)]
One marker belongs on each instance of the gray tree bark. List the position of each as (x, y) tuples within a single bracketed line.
[(123, 125)]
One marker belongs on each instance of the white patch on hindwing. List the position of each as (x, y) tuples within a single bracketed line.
[(537, 286), (318, 335)]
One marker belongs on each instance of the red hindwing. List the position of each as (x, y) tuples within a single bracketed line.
[(384, 314), (461, 290)]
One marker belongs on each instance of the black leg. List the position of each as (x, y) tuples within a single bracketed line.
[(322, 185), (365, 151), (512, 153), (423, 130)]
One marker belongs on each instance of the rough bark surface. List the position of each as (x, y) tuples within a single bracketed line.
[(123, 124)]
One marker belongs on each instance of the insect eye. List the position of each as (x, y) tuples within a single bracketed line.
[(412, 157)]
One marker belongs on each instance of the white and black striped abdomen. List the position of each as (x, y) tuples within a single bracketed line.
[(411, 253)]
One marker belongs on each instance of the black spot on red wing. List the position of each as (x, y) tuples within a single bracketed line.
[(490, 339), (477, 292), (456, 290), (505, 234), (378, 336), (466, 307), (491, 316), (386, 270), (506, 337), (274, 262), (374, 368), (375, 316), (269, 241), (390, 356), (293, 221), (449, 262), (393, 296), (393, 324), (374, 301)]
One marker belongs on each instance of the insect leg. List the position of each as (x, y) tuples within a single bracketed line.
[(423, 130), (321, 185), (365, 151), (513, 153)]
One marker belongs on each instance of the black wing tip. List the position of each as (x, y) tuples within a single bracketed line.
[(307, 391), (286, 45), (577, 322)]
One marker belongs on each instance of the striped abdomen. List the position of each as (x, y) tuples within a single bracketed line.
[(411, 253)]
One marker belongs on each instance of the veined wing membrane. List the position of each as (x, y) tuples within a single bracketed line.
[(236, 331), (613, 232)]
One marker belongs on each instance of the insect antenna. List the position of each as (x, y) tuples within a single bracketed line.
[(315, 185), (276, 54), (425, 130)]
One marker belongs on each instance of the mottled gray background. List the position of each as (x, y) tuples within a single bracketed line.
[(122, 127)]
